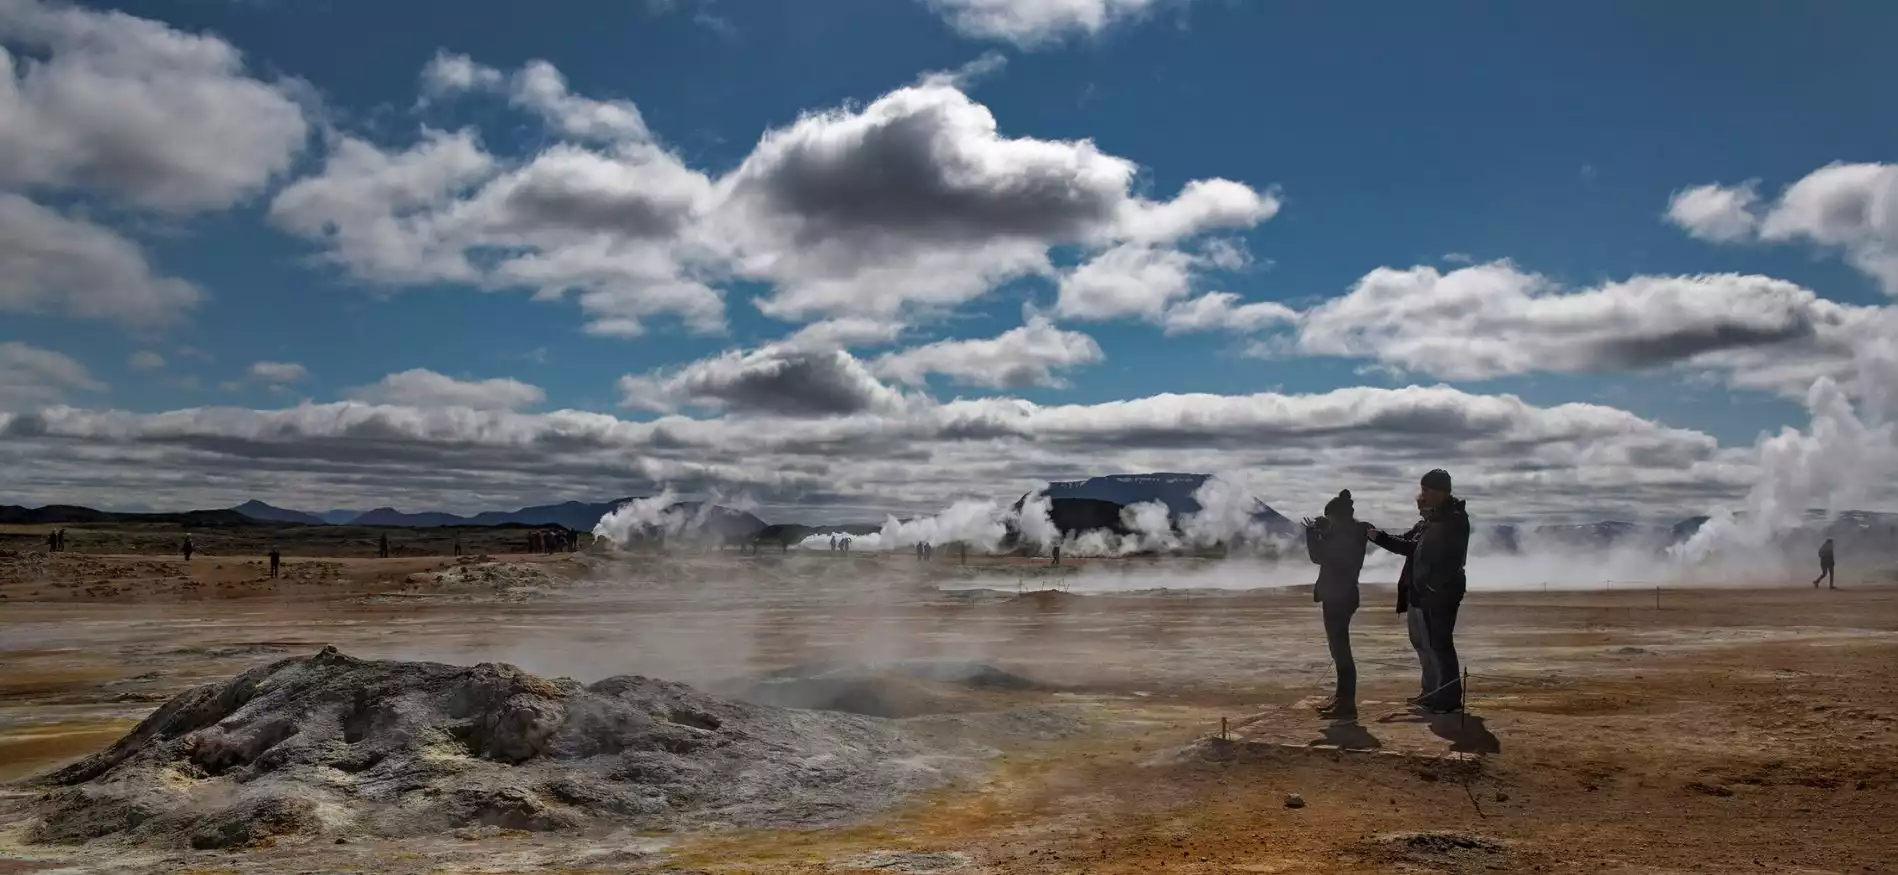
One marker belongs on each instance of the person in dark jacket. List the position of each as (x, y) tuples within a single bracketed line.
[(1825, 567), (1431, 586), (1337, 543)]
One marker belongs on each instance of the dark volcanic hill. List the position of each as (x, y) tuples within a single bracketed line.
[(389, 516), (1082, 505), (578, 515), (258, 510)]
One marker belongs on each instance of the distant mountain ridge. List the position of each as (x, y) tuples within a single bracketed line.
[(1857, 532), (577, 515), (258, 510), (70, 514)]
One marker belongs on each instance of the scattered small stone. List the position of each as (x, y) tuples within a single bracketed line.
[(1501, 796), (1293, 800)]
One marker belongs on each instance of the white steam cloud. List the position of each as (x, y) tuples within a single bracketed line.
[(1834, 464), (641, 516)]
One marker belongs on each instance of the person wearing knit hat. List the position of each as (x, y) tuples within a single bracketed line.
[(1430, 588), (1337, 543)]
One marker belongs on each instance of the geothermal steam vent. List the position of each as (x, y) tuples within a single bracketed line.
[(331, 745)]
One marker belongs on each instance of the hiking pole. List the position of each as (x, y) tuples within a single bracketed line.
[(1463, 715)]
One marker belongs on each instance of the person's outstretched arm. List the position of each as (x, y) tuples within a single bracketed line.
[(1402, 545)]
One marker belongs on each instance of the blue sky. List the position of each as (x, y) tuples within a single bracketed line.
[(1390, 136)]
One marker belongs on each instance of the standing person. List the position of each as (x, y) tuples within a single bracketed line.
[(52, 541), (1825, 567), (276, 560), (1430, 588), (1336, 542), (382, 546), (187, 547)]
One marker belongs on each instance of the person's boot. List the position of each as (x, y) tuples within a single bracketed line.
[(1336, 710)]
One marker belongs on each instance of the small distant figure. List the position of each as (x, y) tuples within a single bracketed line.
[(276, 560), (62, 540), (382, 546), (1825, 567), (1057, 553), (929, 551), (187, 547), (965, 552), (533, 541), (52, 541), (457, 545), (833, 543)]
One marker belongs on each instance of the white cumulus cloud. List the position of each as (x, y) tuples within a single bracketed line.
[(914, 202), (111, 102), (1034, 354), (420, 387), (31, 376), (69, 267), (1848, 208), (1031, 23)]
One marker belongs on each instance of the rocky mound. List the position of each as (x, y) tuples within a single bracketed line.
[(331, 745)]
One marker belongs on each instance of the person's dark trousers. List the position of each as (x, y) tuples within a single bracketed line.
[(1414, 623), (1338, 636), (1432, 622)]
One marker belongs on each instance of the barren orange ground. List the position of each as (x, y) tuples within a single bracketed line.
[(1725, 731)]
